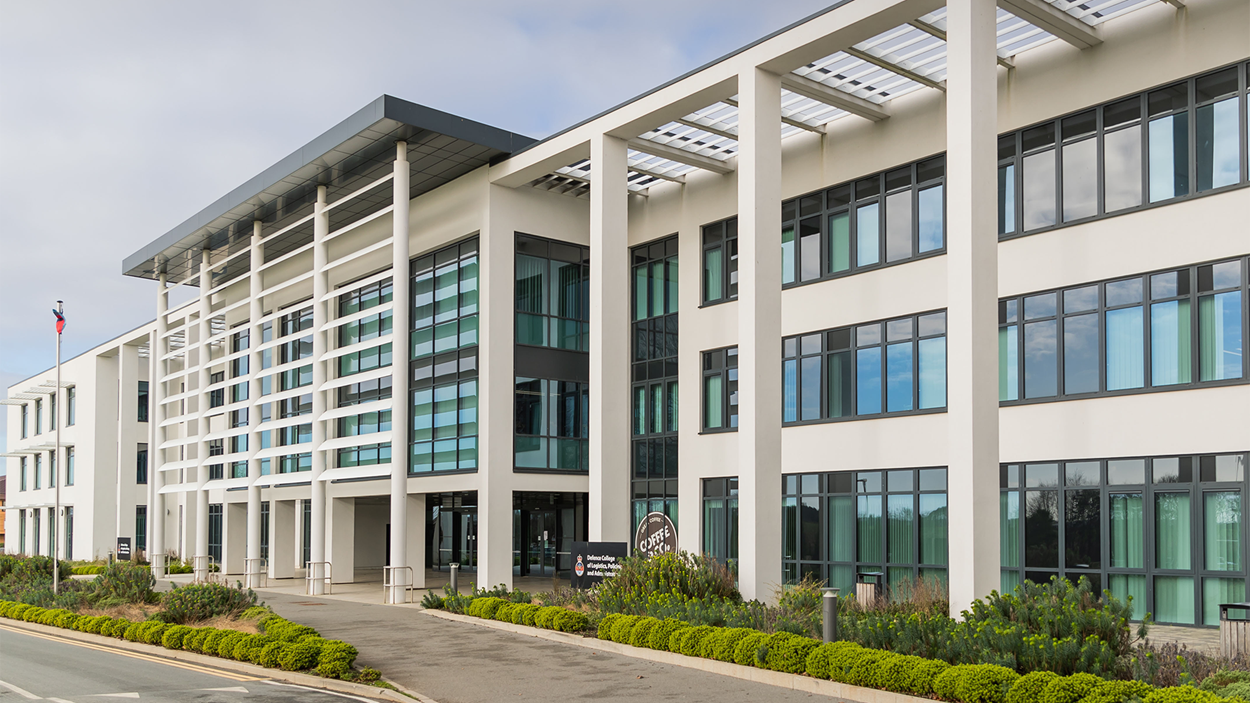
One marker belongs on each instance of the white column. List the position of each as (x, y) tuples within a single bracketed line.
[(416, 538), (972, 299), (317, 551), (759, 333), (496, 386), (201, 425), (282, 539), (400, 401), (233, 537), (156, 413), (127, 373), (609, 341), (255, 312), (341, 538)]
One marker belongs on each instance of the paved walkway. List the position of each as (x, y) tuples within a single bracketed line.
[(462, 663)]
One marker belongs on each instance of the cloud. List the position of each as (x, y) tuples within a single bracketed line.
[(119, 120)]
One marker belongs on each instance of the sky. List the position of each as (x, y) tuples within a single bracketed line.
[(120, 120)]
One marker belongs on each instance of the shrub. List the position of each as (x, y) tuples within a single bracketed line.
[(605, 626), (642, 630), (1069, 689), (32, 614), (173, 637), (156, 633), (842, 661), (284, 630), (504, 612), (975, 683), (723, 645), (337, 651), (923, 675), (256, 612), (333, 670), (570, 621), (116, 628), (790, 654), (1118, 692), (1219, 681), (1028, 688), (97, 624), (1181, 694), (211, 642), (689, 640), (749, 650), (660, 634), (226, 645), (545, 616), (622, 627), (370, 675), (194, 642), (866, 667), (202, 601), (271, 654), (299, 656), (523, 613), (247, 644), (126, 581), (131, 633), (688, 576), (430, 601)]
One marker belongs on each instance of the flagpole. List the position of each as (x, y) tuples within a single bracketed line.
[(56, 405)]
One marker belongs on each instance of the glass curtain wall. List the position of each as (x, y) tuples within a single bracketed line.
[(443, 361), (838, 525), (1166, 531), (653, 375), (552, 294), (720, 519), (552, 425)]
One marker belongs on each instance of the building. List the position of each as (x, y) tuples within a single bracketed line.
[(962, 296), (103, 427)]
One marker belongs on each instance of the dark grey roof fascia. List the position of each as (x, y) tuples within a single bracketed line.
[(684, 76), (384, 107)]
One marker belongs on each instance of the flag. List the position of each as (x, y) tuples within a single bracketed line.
[(60, 321)]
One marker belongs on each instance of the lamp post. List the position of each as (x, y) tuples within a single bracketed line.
[(56, 464)]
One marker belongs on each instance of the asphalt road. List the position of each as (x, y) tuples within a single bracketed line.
[(44, 667)]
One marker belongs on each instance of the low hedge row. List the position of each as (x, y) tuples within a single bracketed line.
[(280, 644), (847, 662), (549, 618)]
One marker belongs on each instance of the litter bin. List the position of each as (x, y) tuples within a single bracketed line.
[(869, 587), (1234, 632)]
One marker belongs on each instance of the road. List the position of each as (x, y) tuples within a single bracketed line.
[(34, 666)]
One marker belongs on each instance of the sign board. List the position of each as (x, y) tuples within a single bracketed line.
[(656, 535), (123, 549), (595, 561)]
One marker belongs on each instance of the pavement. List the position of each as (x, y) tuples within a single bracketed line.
[(455, 662), (35, 666)]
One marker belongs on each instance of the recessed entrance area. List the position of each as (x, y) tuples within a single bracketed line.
[(544, 527)]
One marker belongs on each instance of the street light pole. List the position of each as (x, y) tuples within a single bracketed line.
[(56, 479)]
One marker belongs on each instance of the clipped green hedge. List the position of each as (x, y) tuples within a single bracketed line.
[(281, 643)]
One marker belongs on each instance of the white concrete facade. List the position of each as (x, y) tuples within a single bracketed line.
[(360, 236)]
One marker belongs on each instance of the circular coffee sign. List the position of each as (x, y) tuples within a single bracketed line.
[(656, 535)]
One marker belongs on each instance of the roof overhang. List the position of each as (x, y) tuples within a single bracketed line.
[(352, 154)]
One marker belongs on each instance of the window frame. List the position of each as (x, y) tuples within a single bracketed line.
[(721, 369)]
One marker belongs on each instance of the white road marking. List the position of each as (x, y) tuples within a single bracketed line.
[(59, 700), (228, 689), (20, 691), (318, 690), (116, 695)]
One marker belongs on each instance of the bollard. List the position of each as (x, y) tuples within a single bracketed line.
[(455, 578), (829, 613)]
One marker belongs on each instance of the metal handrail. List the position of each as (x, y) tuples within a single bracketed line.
[(389, 584), (309, 578), (195, 567), (261, 577), (159, 563)]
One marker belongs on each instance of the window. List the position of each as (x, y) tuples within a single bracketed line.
[(720, 518), (21, 531), (216, 398), (295, 463), (39, 417), (71, 406), (214, 532), (294, 434), (720, 390), (25, 420), (1123, 155), (238, 469), (365, 360), (1126, 335), (552, 294), (143, 401), (23, 474), (141, 465), (141, 527), (264, 530), (52, 418), (302, 405), (365, 424), (443, 433), (1166, 531), (240, 341), (69, 532), (365, 455), (295, 378), (53, 475), (34, 516), (365, 328), (238, 418), (366, 297), (653, 443), (295, 322), (552, 425), (238, 443), (38, 472), (895, 366), (69, 466), (720, 261), (838, 525), (239, 367), (363, 392)]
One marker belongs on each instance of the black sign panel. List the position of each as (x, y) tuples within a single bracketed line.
[(656, 535), (595, 561), (123, 549)]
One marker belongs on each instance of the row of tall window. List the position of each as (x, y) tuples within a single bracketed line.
[(552, 294), (52, 473), (444, 387), (838, 525), (35, 515), (71, 412), (653, 374), (1173, 142), (552, 425), (1155, 331), (1167, 531)]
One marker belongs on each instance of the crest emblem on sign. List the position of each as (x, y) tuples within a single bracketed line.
[(579, 568)]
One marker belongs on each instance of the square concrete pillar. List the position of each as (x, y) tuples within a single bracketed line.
[(283, 551), (759, 333), (972, 295), (341, 539), (416, 538), (233, 538), (609, 341)]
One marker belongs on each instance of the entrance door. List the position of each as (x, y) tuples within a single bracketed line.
[(543, 552)]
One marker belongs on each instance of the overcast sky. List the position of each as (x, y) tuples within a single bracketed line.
[(119, 120)]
